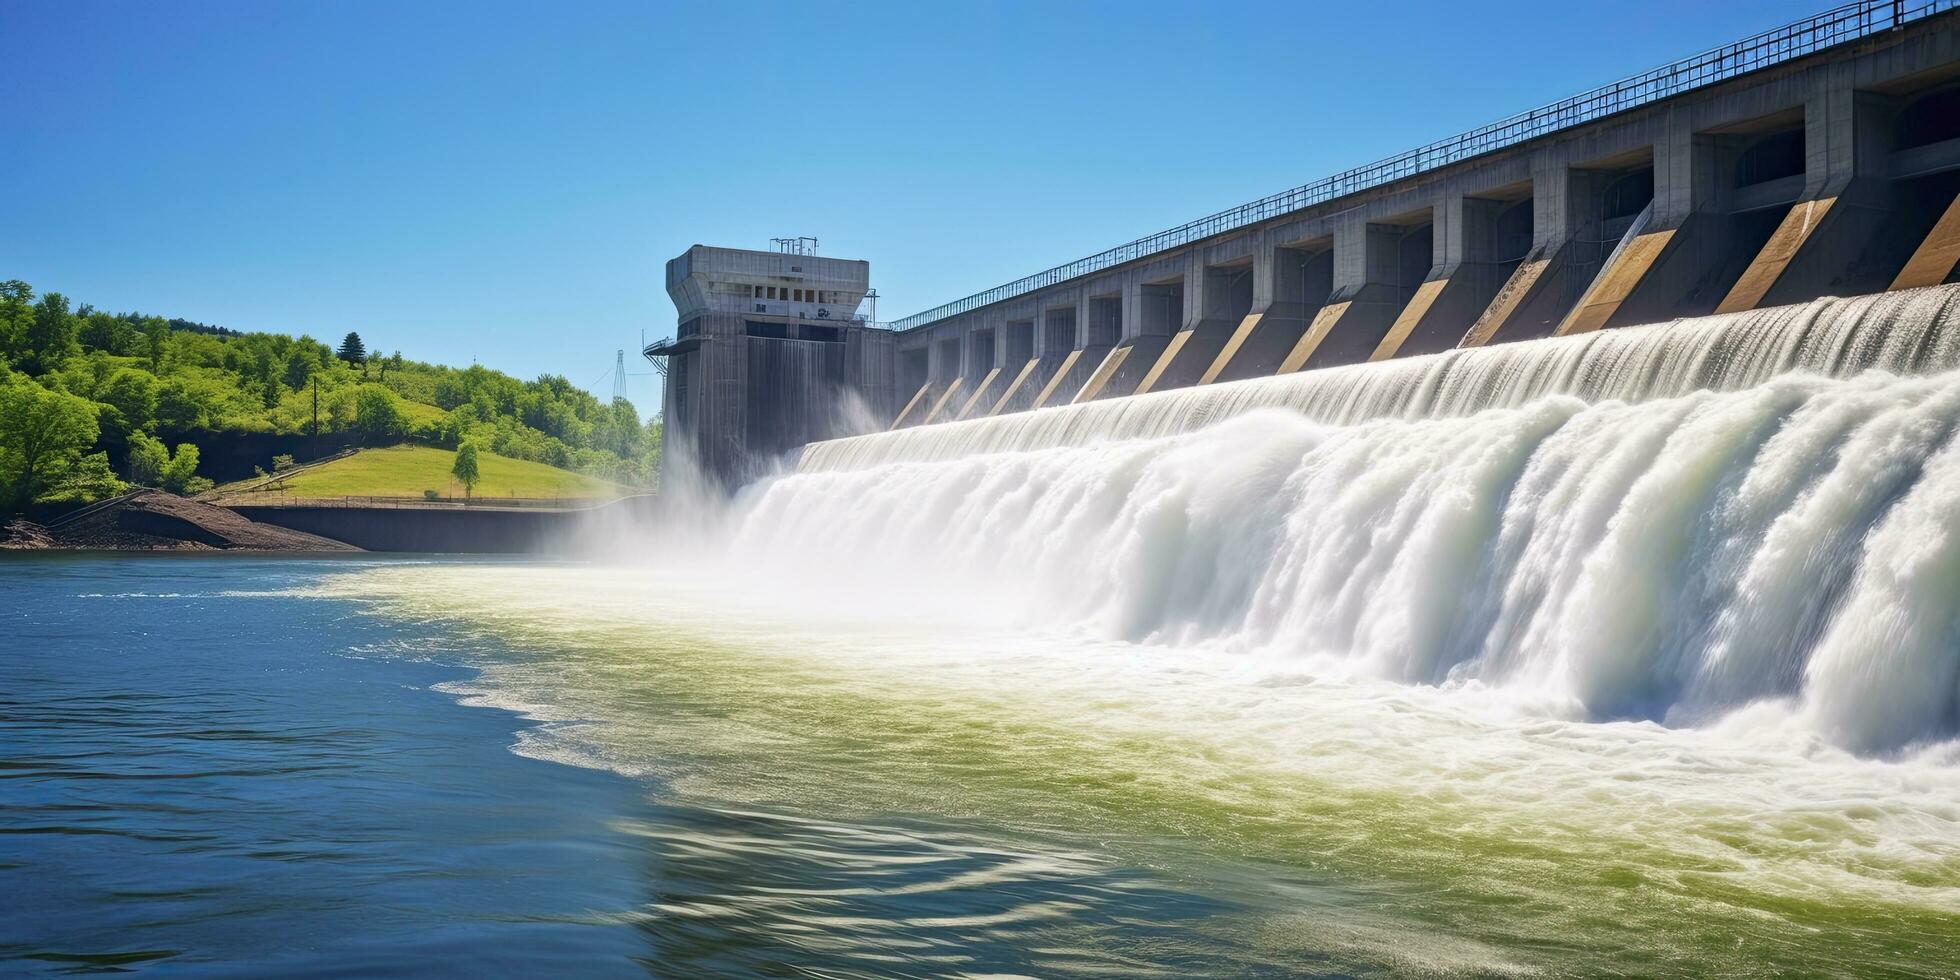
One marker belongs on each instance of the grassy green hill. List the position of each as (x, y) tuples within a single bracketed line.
[(92, 401), (407, 471)]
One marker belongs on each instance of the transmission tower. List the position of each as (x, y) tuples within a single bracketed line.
[(619, 374)]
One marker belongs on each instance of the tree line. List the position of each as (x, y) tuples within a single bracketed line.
[(89, 400)]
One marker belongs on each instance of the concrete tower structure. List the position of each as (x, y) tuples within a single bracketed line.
[(770, 354)]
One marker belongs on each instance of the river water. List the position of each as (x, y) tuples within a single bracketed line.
[(243, 765)]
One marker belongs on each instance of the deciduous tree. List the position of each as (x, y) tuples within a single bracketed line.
[(180, 476), (146, 460), (464, 469), (41, 434), (50, 335), (377, 417), (16, 312)]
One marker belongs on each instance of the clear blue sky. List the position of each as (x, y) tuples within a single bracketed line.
[(503, 181)]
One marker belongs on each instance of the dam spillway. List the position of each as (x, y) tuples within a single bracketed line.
[(1906, 333), (1748, 515)]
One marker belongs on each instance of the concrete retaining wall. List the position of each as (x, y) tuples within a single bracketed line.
[(454, 530)]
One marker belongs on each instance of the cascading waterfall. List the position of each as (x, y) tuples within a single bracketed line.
[(1906, 332), (1755, 514)]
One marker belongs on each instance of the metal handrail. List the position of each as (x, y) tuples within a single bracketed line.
[(95, 508), (1808, 36), (359, 502)]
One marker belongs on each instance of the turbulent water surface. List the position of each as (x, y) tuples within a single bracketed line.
[(1643, 661)]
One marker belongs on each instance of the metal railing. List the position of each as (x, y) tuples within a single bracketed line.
[(356, 501), (1808, 36)]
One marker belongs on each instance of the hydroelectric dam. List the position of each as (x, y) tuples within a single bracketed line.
[(1818, 159), (1640, 406)]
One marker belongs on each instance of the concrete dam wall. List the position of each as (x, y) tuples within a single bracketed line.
[(1905, 333), (1820, 159)]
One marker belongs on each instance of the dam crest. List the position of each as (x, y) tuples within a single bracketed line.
[(1911, 332)]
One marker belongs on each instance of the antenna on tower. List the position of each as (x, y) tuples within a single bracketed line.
[(619, 374)]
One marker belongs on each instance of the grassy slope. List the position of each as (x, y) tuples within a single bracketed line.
[(406, 471)]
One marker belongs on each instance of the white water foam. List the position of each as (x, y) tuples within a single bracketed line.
[(1668, 523)]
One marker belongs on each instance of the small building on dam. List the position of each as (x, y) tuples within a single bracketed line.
[(1818, 158), (769, 355)]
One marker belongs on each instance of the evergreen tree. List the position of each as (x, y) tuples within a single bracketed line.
[(351, 349)]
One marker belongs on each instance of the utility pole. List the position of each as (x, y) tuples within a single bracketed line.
[(316, 407)]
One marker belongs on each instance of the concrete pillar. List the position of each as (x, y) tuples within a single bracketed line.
[(983, 365), (1834, 239), (1459, 287), (1217, 300), (1365, 300), (1671, 260), (1099, 327), (1565, 220), (943, 353), (1288, 285), (1018, 363), (917, 380), (1152, 312), (945, 364), (1058, 341)]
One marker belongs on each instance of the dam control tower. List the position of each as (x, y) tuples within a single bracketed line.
[(770, 353)]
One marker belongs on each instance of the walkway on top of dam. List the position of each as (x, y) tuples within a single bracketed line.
[(1819, 157)]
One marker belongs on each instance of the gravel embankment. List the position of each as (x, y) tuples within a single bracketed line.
[(158, 521)]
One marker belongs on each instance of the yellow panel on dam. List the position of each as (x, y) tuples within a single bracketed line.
[(1094, 385), (1506, 304), (1936, 256), (1775, 255), (917, 397), (1323, 323), (1411, 315), (1048, 390), (1164, 361), (1015, 385), (951, 390), (1616, 283), (980, 390), (1232, 344)]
